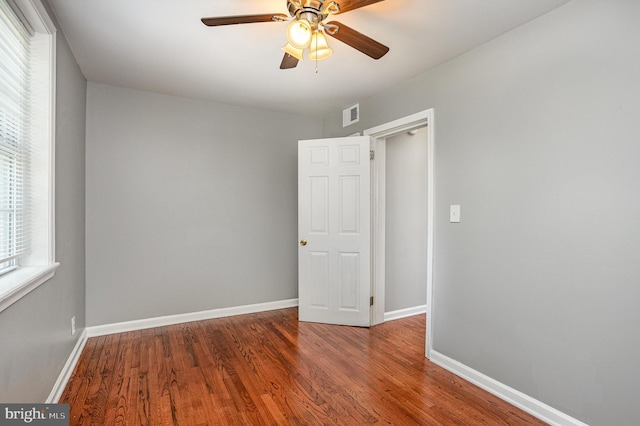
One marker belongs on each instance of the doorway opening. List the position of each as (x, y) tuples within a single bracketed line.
[(421, 122)]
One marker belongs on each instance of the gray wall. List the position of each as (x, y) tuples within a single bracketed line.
[(191, 205), (537, 139), (35, 332), (405, 227)]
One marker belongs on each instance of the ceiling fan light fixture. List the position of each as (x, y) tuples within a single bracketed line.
[(319, 48), (299, 33), (293, 51)]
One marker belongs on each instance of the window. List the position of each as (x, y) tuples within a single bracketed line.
[(14, 143), (27, 53)]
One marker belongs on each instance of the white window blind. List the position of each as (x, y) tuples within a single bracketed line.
[(14, 136)]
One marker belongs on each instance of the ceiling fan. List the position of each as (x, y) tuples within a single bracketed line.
[(307, 27)]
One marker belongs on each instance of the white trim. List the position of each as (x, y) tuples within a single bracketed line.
[(404, 313), (67, 370), (46, 21), (122, 327), (514, 397), (17, 284), (380, 133), (378, 234), (37, 16), (405, 124)]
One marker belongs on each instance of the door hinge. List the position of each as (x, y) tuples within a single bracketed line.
[(372, 154), (371, 301)]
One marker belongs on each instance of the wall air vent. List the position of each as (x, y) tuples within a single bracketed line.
[(351, 115)]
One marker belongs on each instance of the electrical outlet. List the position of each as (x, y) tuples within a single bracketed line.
[(73, 326)]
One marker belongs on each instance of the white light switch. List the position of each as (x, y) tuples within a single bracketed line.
[(454, 213)]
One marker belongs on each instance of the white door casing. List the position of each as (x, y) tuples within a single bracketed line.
[(380, 133), (334, 230)]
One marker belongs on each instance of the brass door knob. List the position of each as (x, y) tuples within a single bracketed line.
[(303, 242)]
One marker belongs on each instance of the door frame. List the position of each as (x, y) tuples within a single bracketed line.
[(380, 134)]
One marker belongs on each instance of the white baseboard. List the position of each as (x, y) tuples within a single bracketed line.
[(403, 313), (122, 327), (67, 370), (514, 397)]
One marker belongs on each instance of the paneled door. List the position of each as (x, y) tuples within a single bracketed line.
[(334, 231)]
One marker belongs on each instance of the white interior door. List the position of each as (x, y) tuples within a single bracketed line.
[(334, 227)]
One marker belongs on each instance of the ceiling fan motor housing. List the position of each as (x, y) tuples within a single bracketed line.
[(312, 10)]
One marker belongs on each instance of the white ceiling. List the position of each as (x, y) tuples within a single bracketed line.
[(161, 46)]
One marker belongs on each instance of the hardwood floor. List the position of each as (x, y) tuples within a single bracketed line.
[(268, 369)]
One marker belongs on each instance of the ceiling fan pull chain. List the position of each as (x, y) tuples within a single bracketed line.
[(316, 54)]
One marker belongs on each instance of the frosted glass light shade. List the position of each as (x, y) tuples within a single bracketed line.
[(293, 51), (319, 48), (299, 33)]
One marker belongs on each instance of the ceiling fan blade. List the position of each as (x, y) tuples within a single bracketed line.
[(243, 19), (347, 5), (288, 62), (358, 41)]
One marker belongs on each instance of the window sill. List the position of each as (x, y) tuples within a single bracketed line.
[(17, 284)]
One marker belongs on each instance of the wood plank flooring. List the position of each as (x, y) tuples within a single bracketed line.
[(269, 369)]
